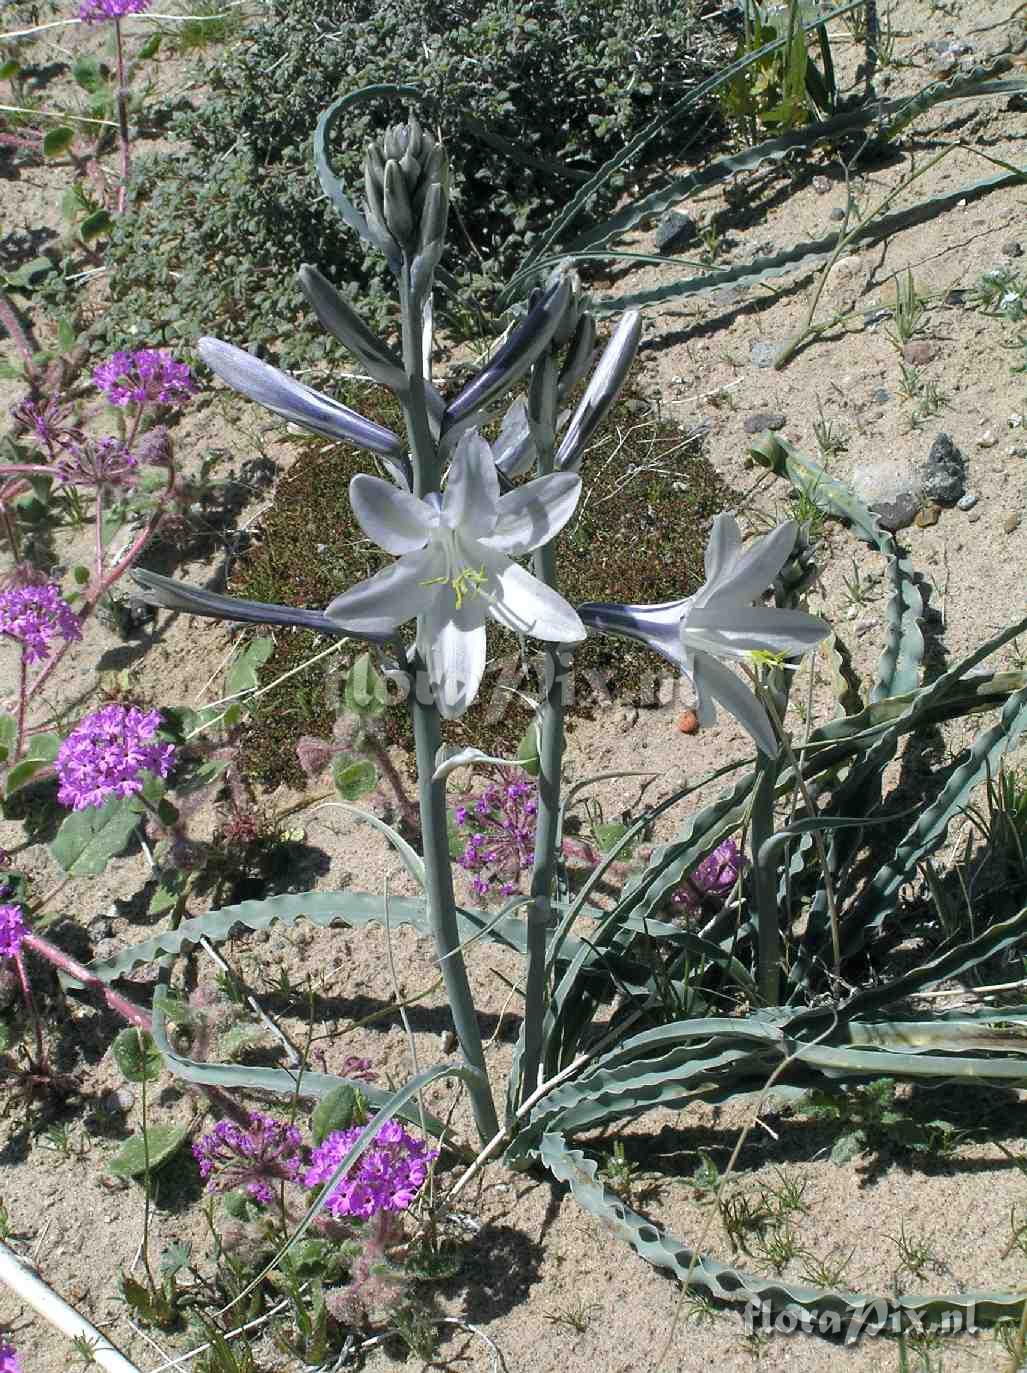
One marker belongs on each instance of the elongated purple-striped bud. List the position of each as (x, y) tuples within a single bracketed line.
[(505, 369), (196, 600), (294, 401), (339, 318), (602, 390)]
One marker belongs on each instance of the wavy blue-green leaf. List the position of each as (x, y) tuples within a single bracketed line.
[(289, 1082), (737, 1285), (810, 252), (320, 908)]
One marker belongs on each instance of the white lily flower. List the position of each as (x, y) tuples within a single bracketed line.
[(454, 566), (721, 621)]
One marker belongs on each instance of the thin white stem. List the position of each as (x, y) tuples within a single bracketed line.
[(30, 1289)]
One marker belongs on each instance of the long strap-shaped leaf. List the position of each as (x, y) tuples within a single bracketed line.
[(532, 262), (281, 1081), (891, 116), (808, 253), (736, 1285), (320, 908), (928, 832)]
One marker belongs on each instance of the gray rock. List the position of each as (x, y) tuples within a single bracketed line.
[(968, 501), (881, 396), (1011, 522), (763, 353), (837, 214), (821, 184), (877, 315), (760, 420), (119, 1100), (1012, 248), (675, 230), (944, 473), (897, 514)]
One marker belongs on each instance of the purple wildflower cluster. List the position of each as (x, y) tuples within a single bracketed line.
[(151, 375), (98, 11), (102, 464), (386, 1177), (715, 876), (501, 842), (9, 1360), (34, 615), (48, 423), (12, 935), (251, 1159), (107, 753)]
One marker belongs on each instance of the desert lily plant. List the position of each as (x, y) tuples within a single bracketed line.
[(806, 911)]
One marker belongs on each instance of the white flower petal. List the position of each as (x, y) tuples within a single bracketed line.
[(535, 513), (749, 575), (527, 606), (724, 547), (713, 681), (395, 520), (734, 631), (514, 451), (452, 643), (472, 488), (390, 597)]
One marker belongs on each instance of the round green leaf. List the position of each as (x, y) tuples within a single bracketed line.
[(366, 691), (57, 141), (340, 1109), (353, 777), (162, 1143), (137, 1056), (95, 226)]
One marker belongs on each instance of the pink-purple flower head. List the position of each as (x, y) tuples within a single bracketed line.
[(101, 464), (232, 1158), (387, 1176), (9, 1359), (715, 876), (12, 935), (99, 11), (35, 616), (149, 377), (108, 753)]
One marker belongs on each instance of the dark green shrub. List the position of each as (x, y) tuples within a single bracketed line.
[(530, 100)]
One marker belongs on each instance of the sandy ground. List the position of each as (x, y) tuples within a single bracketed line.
[(537, 1267)]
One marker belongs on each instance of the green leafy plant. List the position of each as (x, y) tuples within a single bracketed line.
[(243, 191), (873, 1121)]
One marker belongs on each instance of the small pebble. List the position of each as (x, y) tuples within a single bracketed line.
[(918, 352), (763, 353), (1011, 523), (881, 396), (973, 516), (118, 1100), (987, 440), (928, 516), (968, 501), (688, 722), (761, 420), (821, 184), (1012, 248), (865, 625), (447, 1041), (875, 316), (837, 214)]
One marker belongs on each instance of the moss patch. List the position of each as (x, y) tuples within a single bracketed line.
[(638, 535)]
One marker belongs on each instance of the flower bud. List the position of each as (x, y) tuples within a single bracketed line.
[(406, 178)]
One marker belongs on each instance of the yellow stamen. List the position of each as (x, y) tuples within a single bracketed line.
[(467, 582)]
